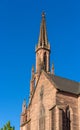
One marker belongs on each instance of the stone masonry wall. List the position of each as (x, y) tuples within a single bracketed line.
[(49, 100), (68, 99)]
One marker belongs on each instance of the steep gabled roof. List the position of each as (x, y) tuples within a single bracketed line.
[(65, 85), (60, 83)]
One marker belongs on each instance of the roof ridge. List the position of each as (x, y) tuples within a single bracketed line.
[(65, 78)]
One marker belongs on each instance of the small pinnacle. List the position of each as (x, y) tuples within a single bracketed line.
[(43, 14), (32, 68), (52, 68)]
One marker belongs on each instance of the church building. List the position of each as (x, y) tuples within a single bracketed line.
[(54, 102)]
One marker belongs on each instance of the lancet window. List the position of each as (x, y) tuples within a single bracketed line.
[(45, 61), (42, 118)]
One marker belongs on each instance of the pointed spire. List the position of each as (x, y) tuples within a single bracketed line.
[(43, 40), (43, 49)]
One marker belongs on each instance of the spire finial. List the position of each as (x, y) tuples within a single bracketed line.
[(43, 14)]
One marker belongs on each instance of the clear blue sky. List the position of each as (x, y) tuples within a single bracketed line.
[(19, 31)]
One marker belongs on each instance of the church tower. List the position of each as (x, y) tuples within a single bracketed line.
[(43, 49), (54, 102), (42, 56)]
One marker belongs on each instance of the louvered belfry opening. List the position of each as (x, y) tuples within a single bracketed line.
[(45, 61)]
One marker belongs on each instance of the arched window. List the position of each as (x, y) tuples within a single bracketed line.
[(68, 118), (42, 118), (64, 119), (45, 61)]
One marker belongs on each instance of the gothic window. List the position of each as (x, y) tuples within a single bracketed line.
[(45, 61), (61, 119), (64, 119), (67, 118), (42, 118)]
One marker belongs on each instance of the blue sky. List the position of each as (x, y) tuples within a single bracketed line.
[(19, 31)]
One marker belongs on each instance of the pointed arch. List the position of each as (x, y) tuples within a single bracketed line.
[(65, 118), (68, 120), (45, 61)]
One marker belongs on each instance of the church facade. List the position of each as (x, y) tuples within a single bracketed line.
[(54, 101)]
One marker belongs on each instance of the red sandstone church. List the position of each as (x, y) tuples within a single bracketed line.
[(54, 101)]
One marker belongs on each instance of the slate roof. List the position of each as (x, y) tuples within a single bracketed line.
[(66, 85)]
